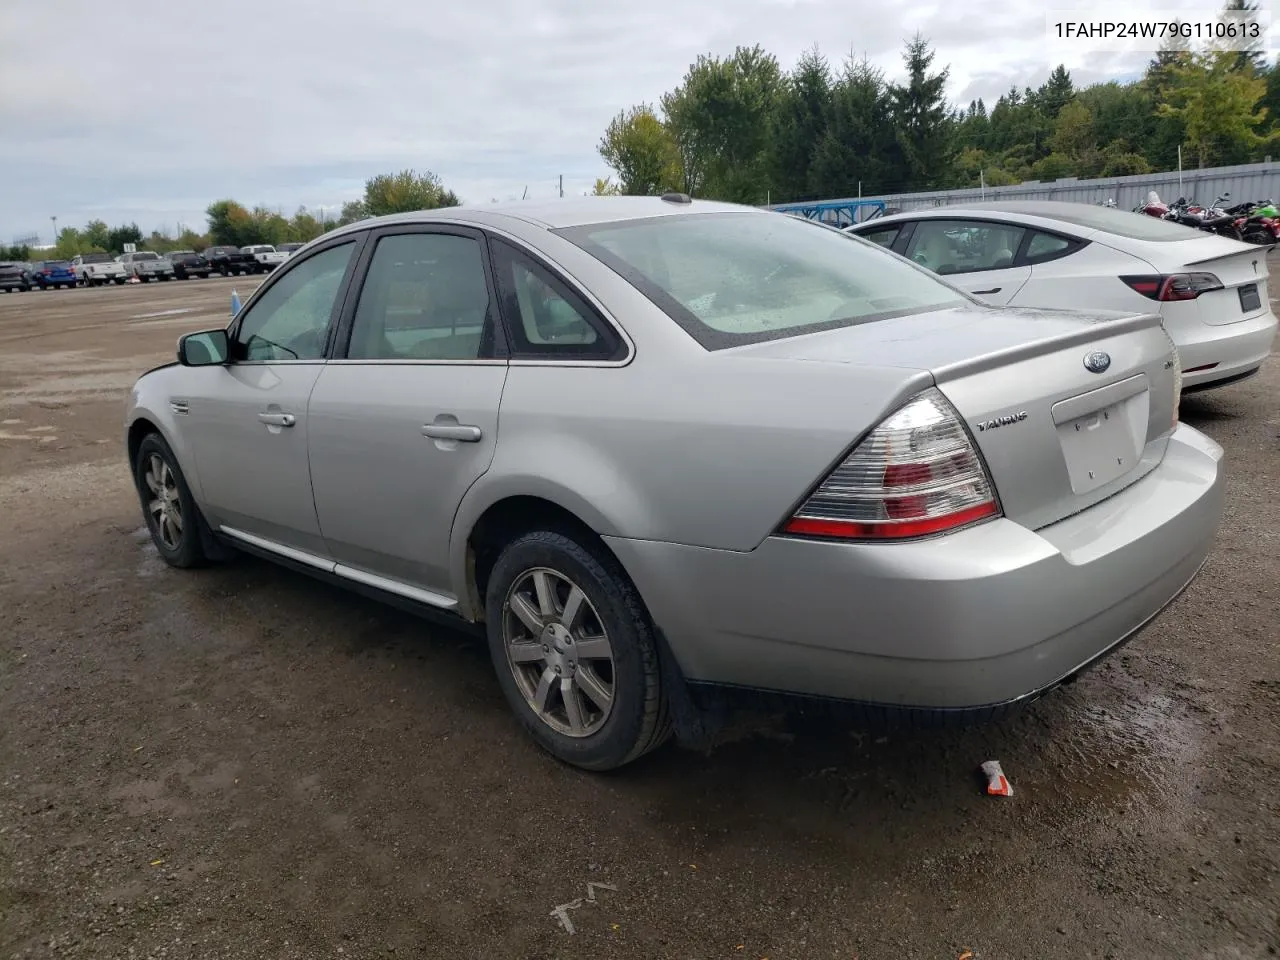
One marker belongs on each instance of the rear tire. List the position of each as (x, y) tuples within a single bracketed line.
[(177, 527), (120, 281), (542, 574)]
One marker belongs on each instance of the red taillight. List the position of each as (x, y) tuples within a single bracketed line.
[(916, 474), (46, 272), (1175, 286)]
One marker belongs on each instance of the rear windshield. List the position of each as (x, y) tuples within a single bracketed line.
[(735, 278), (223, 250), (55, 264), (1122, 223), (145, 256), (95, 258)]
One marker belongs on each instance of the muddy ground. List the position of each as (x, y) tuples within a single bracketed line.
[(243, 763)]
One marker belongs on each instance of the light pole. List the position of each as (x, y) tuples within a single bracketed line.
[(55, 230)]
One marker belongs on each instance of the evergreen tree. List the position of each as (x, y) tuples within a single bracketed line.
[(921, 118)]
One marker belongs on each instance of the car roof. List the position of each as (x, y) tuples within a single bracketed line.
[(558, 213)]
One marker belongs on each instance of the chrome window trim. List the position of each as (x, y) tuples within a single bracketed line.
[(561, 273)]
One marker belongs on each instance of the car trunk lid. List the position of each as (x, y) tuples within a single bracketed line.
[(1066, 409), (1241, 268), (1243, 274)]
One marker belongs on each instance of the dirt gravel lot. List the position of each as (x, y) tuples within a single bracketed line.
[(242, 763)]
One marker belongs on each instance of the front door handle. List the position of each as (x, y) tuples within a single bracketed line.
[(452, 431), (277, 419), (978, 293)]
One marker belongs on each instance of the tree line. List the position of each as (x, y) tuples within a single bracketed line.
[(233, 224), (741, 129)]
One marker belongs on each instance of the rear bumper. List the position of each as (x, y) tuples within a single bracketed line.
[(968, 622), (1233, 348)]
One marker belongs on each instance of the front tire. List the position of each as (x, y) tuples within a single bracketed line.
[(574, 651), (176, 525)]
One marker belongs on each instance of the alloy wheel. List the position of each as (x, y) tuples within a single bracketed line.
[(559, 652), (165, 505)]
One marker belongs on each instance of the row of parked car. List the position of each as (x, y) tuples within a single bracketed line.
[(99, 269)]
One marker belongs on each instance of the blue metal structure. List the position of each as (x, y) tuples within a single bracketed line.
[(837, 213)]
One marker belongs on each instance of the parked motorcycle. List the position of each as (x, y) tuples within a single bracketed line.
[(1154, 207), (1212, 219), (1257, 221)]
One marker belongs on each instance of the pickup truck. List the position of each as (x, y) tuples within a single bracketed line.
[(147, 266), (188, 264), (266, 256), (96, 269), (230, 260)]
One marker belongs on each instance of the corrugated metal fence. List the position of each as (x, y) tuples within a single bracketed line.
[(1251, 181)]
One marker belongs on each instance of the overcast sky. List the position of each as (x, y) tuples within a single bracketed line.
[(149, 111)]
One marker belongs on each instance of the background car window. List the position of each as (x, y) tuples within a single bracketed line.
[(1045, 245), (544, 317), (425, 297), (291, 319), (957, 246), (884, 237)]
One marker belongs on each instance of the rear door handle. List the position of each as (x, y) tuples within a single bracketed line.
[(277, 419), (452, 431), (978, 293)]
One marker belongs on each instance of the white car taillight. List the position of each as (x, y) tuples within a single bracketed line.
[(916, 474)]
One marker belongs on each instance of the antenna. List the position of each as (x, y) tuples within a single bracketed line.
[(525, 195)]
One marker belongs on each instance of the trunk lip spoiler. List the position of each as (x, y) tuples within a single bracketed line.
[(1110, 327), (1248, 248)]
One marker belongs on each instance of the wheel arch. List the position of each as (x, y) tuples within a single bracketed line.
[(143, 422), (482, 529)]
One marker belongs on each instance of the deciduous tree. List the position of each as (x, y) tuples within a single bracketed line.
[(640, 149)]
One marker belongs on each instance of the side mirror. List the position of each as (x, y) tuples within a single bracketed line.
[(209, 348)]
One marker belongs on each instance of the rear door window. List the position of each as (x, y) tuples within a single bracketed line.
[(964, 246), (425, 297)]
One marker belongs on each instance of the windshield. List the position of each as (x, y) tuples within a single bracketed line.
[(737, 278), (95, 258), (56, 265), (145, 256)]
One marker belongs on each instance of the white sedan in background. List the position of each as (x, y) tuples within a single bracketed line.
[(1210, 292)]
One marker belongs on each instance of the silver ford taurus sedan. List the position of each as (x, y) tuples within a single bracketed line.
[(656, 446)]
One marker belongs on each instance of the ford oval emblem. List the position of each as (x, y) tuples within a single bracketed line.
[(1097, 361)]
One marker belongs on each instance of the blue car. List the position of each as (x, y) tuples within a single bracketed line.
[(47, 274)]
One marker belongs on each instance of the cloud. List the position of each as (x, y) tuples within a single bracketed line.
[(150, 112)]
